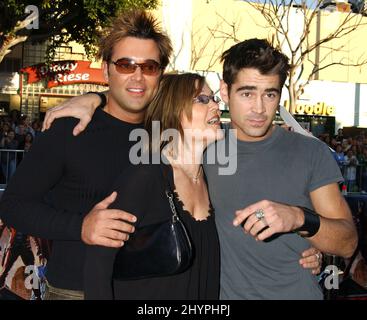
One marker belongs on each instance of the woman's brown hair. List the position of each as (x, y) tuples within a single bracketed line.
[(174, 97)]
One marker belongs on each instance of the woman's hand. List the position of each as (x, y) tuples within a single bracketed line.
[(80, 107), (311, 259)]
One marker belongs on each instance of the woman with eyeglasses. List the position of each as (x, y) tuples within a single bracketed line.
[(186, 104)]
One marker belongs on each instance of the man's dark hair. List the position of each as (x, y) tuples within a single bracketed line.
[(257, 54)]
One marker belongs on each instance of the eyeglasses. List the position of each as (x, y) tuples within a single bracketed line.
[(203, 98), (127, 66)]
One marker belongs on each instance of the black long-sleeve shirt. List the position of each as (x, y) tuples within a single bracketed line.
[(59, 182)]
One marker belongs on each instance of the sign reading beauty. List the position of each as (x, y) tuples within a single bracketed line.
[(61, 73)]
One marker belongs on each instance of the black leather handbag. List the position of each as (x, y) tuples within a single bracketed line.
[(156, 250)]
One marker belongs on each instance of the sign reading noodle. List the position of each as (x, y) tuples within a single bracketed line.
[(318, 109)]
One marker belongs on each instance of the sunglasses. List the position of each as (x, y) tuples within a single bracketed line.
[(203, 98), (128, 66)]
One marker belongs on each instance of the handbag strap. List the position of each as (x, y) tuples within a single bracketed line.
[(168, 191)]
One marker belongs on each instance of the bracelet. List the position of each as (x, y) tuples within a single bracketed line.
[(102, 97), (311, 224)]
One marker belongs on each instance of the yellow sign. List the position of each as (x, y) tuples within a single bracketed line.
[(318, 109)]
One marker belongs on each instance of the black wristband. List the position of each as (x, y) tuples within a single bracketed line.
[(102, 97), (311, 224)]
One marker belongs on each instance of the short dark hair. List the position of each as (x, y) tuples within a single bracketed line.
[(254, 53), (138, 24)]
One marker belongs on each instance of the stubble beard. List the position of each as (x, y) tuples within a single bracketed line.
[(257, 133)]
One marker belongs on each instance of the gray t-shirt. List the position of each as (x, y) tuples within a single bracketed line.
[(284, 168)]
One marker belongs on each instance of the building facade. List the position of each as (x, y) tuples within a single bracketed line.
[(30, 86)]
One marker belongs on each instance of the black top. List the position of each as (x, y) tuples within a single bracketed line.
[(58, 183), (141, 191)]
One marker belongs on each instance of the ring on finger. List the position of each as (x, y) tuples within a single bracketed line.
[(259, 214)]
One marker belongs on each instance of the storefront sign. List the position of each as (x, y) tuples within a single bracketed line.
[(64, 72), (318, 109)]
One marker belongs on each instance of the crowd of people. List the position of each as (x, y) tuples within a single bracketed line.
[(17, 132), (351, 156)]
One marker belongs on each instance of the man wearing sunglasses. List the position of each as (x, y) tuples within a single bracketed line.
[(74, 175)]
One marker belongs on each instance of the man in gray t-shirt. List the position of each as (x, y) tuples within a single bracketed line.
[(285, 167), (256, 208)]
